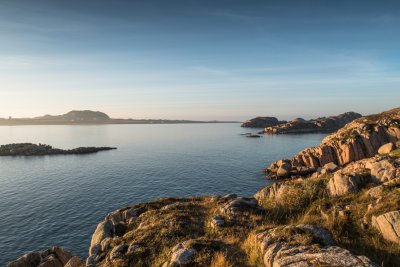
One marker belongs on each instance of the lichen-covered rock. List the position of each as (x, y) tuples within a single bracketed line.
[(289, 246), (53, 257), (388, 225)]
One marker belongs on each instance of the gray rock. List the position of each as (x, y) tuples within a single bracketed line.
[(181, 255)]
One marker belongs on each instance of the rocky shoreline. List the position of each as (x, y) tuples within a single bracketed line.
[(337, 204), (28, 149)]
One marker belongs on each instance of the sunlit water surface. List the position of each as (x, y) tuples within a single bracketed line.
[(58, 200)]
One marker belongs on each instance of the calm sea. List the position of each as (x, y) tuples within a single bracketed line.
[(58, 200)]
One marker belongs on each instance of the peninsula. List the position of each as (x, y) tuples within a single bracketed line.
[(83, 117), (343, 211), (28, 149), (330, 124)]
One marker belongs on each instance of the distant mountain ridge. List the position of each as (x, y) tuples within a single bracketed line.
[(90, 117)]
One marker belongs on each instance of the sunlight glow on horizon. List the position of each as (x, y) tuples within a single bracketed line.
[(201, 61)]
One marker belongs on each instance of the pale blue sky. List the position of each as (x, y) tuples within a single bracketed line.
[(199, 59)]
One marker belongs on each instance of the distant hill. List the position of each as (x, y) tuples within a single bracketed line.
[(89, 117), (79, 116)]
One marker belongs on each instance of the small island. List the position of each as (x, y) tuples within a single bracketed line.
[(29, 149)]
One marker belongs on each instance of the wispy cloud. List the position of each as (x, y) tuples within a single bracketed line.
[(208, 70)]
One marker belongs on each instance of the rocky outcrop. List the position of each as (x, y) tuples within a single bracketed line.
[(285, 247), (261, 122), (359, 139), (388, 225), (320, 125), (28, 149), (53, 257), (115, 224)]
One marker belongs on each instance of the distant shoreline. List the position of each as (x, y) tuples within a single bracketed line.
[(23, 122)]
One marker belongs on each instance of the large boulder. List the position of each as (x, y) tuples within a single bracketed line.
[(388, 225), (341, 184)]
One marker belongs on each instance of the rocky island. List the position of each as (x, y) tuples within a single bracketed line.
[(262, 122), (337, 204), (272, 125), (28, 149)]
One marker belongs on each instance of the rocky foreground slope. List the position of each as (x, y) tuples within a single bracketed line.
[(336, 215)]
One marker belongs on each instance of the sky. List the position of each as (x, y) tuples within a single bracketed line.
[(199, 59)]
